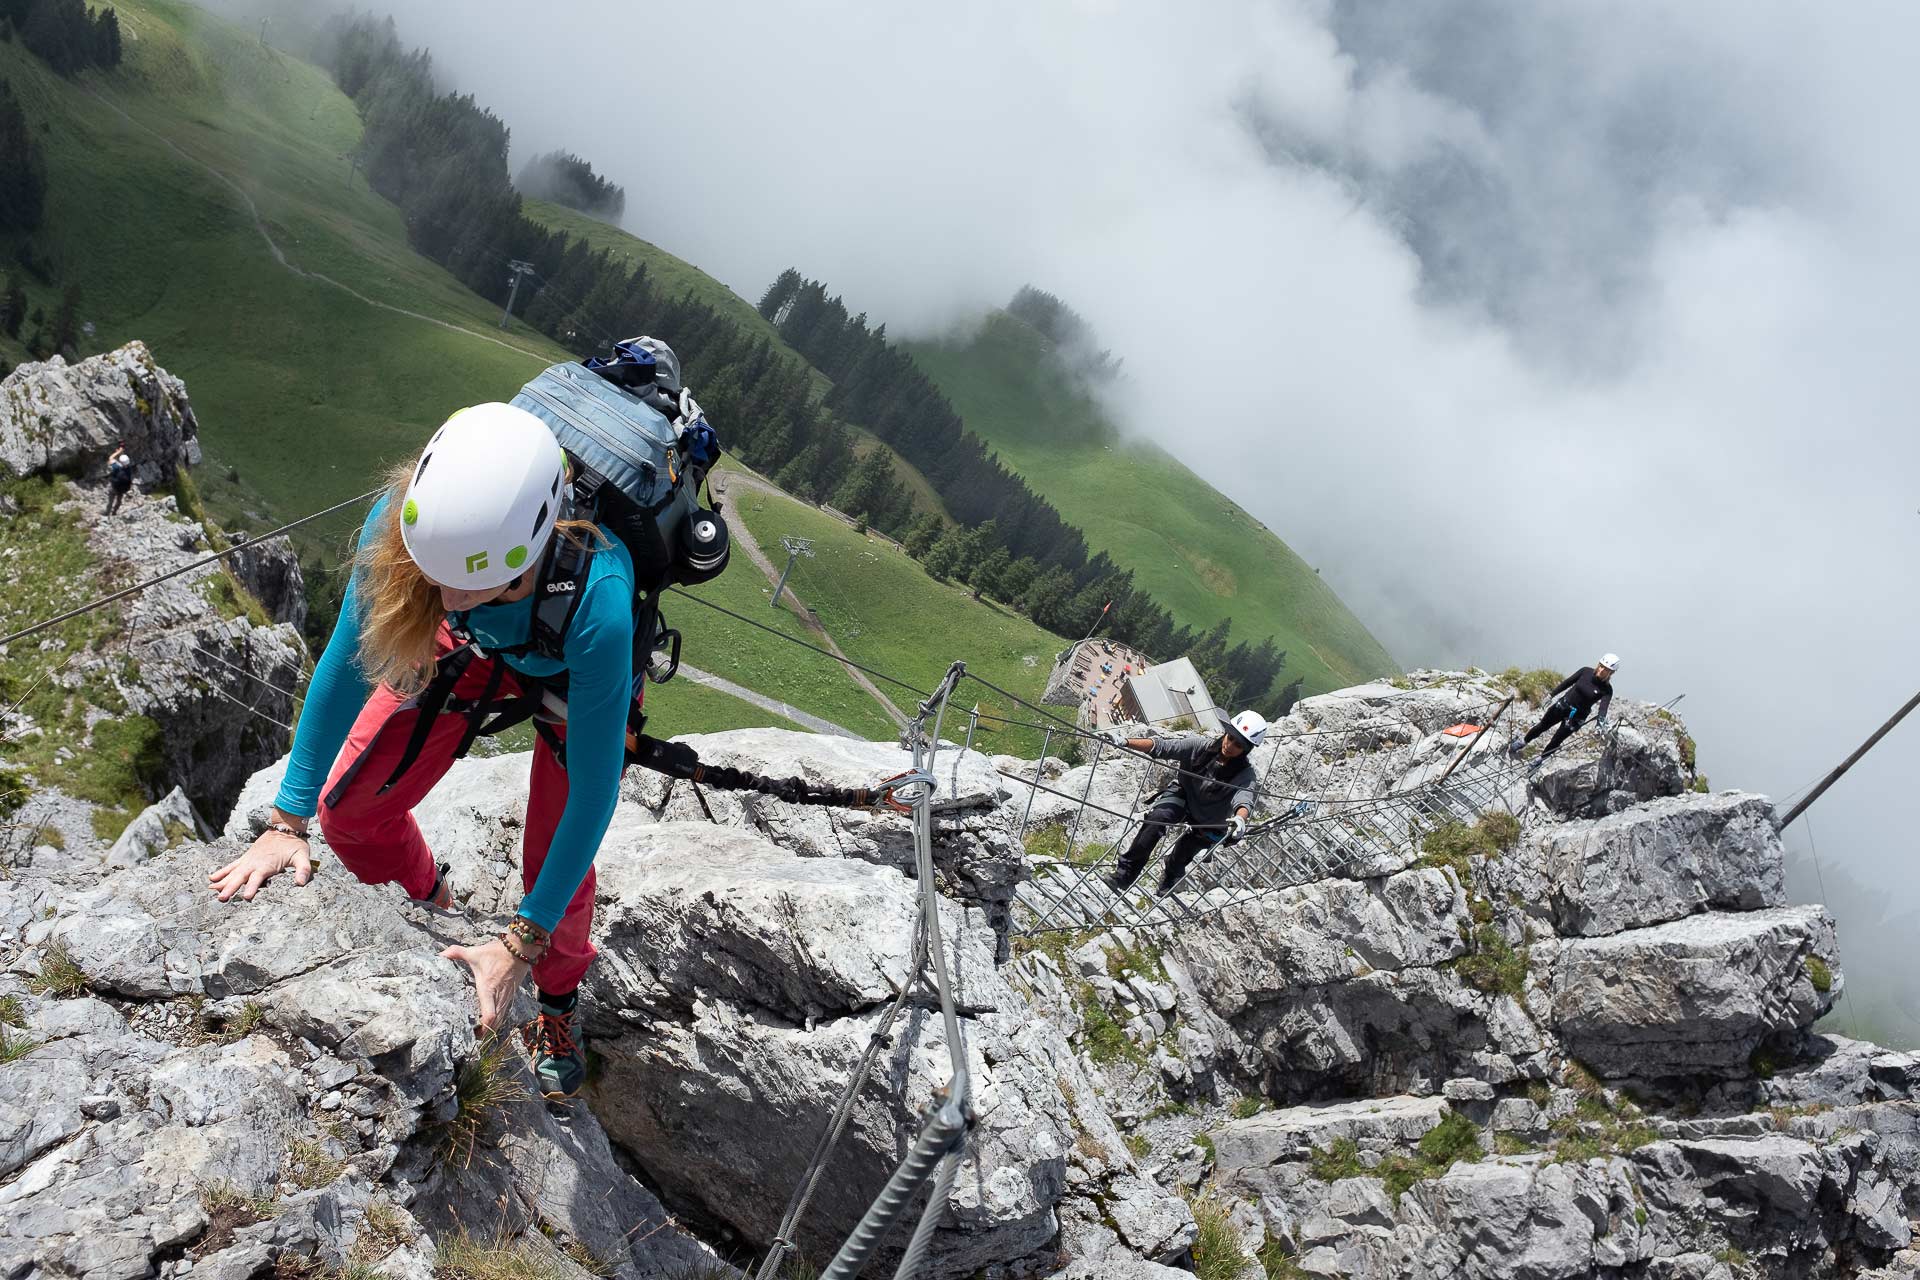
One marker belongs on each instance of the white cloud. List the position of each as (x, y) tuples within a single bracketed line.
[(1543, 329)]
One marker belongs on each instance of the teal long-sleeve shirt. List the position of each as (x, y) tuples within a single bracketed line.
[(598, 660)]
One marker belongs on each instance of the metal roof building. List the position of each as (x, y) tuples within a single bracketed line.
[(1168, 692)]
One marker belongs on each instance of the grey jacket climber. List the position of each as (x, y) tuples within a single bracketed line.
[(1209, 787)]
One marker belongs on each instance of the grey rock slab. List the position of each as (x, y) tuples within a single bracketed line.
[(161, 824), (1692, 996), (56, 416), (694, 912), (1653, 863), (1292, 1133), (1326, 932)]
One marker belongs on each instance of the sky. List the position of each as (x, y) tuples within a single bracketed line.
[(1542, 330)]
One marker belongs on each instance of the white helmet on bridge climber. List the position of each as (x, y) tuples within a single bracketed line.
[(1247, 730)]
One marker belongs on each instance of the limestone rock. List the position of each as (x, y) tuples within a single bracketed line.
[(60, 417), (744, 984), (270, 569), (1650, 864), (1694, 995), (158, 827)]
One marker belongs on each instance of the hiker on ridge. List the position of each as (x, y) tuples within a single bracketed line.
[(455, 548), (1583, 691), (1212, 793), (119, 476)]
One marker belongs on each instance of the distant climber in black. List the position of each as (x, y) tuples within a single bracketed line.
[(1212, 793), (1586, 690), (119, 476)]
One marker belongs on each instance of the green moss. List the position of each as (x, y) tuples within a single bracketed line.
[(1106, 1041), (1046, 842), (1455, 845), (1454, 1139), (1339, 1160), (13, 791), (1536, 686), (1820, 974)]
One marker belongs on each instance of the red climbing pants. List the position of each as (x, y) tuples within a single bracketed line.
[(378, 840)]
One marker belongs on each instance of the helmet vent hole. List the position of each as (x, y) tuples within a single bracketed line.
[(425, 458), (539, 521)]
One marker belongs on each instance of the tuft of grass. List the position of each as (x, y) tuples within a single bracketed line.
[(486, 1086), (252, 1016), (228, 1208), (1340, 1159), (1495, 965), (1597, 1128), (13, 1048), (1734, 1257), (1763, 1063), (462, 1257), (1277, 1263), (1106, 1040), (60, 975), (1217, 1253), (1455, 845), (1701, 784), (1689, 750), (1046, 842), (383, 1229), (1204, 1141), (1536, 686), (1820, 974), (1138, 1147), (589, 1261), (1512, 1144), (310, 1165), (12, 1012), (1454, 1139), (1242, 1108)]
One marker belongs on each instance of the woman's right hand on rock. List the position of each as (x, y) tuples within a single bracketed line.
[(269, 855)]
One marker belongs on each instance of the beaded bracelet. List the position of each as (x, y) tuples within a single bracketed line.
[(506, 940)]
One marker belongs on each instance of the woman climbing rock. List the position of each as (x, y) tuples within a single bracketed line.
[(435, 628)]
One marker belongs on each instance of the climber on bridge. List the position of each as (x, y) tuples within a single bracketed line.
[(1583, 691), (1212, 793), (448, 563)]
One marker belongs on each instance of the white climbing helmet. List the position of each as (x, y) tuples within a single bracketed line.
[(484, 498), (1248, 728), (1611, 662)]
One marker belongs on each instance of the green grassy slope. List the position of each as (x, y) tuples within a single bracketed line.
[(303, 388), (886, 613), (1197, 552), (307, 390)]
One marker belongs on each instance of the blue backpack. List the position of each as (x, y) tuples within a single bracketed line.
[(640, 449)]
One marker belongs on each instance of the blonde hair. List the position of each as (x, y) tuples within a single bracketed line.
[(400, 607)]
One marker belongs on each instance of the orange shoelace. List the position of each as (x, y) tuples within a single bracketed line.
[(550, 1035)]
